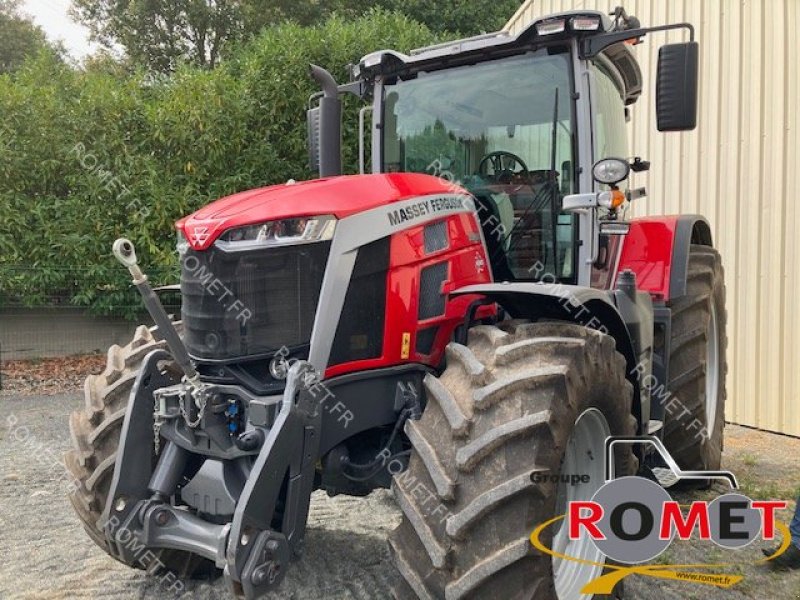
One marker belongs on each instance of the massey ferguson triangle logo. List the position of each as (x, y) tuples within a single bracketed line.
[(199, 235)]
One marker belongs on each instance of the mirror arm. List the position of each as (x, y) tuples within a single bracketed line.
[(594, 45), (638, 165), (357, 88)]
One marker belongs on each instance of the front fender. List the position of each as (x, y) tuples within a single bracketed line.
[(585, 306)]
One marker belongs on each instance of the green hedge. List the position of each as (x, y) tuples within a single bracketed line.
[(86, 157)]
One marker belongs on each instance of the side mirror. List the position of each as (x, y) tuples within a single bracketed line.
[(676, 87)]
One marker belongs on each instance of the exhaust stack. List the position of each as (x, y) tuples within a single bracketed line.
[(325, 126)]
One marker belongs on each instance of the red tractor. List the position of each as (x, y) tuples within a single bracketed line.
[(467, 325)]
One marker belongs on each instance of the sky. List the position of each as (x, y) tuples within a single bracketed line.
[(51, 15)]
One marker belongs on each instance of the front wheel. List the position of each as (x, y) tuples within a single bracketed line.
[(537, 399), (95, 433)]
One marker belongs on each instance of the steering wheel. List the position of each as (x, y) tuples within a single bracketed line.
[(502, 172)]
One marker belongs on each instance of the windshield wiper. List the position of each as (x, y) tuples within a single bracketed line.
[(540, 198)]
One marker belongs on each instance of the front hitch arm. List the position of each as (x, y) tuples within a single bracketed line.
[(260, 541)]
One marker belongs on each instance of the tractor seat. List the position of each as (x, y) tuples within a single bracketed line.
[(490, 216)]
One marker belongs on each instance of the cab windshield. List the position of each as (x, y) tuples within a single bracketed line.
[(503, 129)]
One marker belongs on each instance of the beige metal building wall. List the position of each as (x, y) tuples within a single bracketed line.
[(740, 169)]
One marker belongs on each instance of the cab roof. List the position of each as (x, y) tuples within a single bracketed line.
[(390, 63)]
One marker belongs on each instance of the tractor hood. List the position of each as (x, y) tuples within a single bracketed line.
[(339, 196)]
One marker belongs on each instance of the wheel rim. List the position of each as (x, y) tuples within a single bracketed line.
[(712, 371), (584, 455)]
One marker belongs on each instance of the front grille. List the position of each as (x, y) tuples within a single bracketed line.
[(250, 303)]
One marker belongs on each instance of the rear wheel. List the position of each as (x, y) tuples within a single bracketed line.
[(695, 411), (95, 433), (538, 398)]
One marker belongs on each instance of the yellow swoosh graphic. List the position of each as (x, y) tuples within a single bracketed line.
[(605, 583)]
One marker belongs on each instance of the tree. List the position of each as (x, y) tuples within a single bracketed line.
[(19, 37), (88, 155), (457, 16), (262, 13), (440, 16), (161, 34)]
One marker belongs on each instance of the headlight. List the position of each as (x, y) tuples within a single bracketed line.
[(610, 170), (283, 232)]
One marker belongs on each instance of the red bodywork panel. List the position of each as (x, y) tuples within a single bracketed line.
[(338, 196), (647, 251)]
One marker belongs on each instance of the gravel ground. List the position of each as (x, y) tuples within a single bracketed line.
[(45, 554)]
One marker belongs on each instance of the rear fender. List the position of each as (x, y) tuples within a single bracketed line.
[(585, 306), (656, 249)]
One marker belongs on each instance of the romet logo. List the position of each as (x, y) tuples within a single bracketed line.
[(632, 520), (426, 207)]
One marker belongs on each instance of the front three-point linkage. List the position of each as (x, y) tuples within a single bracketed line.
[(269, 521)]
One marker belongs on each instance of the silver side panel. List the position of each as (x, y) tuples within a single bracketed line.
[(352, 233)]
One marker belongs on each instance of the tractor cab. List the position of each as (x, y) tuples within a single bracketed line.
[(519, 121)]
